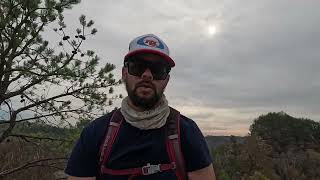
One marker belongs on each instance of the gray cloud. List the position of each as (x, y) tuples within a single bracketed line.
[(264, 57)]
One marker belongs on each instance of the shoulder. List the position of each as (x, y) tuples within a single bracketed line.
[(100, 122), (193, 144), (83, 161), (190, 133), (187, 122), (188, 126), (96, 128)]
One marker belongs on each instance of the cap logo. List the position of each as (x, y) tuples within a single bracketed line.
[(150, 42)]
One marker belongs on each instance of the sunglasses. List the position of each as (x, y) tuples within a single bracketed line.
[(137, 67)]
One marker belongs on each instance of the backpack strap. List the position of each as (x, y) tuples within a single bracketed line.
[(110, 137), (174, 144)]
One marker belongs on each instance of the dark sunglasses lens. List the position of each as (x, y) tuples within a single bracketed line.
[(137, 68), (159, 72)]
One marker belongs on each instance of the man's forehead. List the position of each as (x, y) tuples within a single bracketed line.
[(153, 58), (149, 56)]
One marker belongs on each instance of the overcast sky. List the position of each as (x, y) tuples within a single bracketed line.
[(235, 60)]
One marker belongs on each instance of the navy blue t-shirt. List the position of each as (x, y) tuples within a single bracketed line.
[(135, 148)]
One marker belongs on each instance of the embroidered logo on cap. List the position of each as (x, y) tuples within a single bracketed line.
[(150, 42)]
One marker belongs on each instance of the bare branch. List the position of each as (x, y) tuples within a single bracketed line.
[(45, 165), (39, 138), (29, 164), (9, 107), (59, 96), (12, 123), (42, 116)]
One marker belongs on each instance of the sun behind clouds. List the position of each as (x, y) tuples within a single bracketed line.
[(212, 30)]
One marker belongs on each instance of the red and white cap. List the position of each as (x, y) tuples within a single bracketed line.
[(149, 43)]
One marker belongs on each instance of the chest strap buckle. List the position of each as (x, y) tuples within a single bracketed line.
[(150, 169)]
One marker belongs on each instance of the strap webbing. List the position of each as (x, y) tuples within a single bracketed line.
[(145, 170), (173, 146), (173, 143), (111, 135)]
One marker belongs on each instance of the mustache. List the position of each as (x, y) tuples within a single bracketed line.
[(145, 84)]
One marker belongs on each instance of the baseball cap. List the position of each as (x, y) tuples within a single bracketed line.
[(149, 43)]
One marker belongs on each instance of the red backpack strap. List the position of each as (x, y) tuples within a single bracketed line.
[(110, 137), (174, 144)]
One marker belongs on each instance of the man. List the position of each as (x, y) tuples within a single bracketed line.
[(145, 139)]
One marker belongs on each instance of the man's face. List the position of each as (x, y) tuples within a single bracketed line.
[(146, 77)]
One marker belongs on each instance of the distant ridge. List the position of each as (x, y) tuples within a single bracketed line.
[(215, 141)]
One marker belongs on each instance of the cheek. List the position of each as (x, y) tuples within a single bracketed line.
[(160, 86), (130, 82)]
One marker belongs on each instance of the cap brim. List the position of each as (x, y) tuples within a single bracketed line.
[(142, 51)]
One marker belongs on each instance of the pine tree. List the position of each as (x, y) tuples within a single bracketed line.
[(50, 82)]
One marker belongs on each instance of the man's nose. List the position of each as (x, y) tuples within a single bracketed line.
[(147, 75)]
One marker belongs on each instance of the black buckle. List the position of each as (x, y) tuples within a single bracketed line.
[(150, 169)]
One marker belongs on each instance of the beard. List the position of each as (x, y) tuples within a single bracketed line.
[(144, 103)]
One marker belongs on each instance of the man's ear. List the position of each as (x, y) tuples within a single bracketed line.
[(167, 80), (124, 74)]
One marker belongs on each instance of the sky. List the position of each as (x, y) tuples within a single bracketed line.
[(235, 60)]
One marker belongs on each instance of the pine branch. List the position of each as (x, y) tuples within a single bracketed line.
[(30, 40), (49, 99)]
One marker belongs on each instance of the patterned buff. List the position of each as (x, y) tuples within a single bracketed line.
[(152, 119)]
